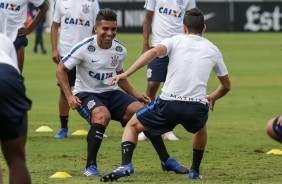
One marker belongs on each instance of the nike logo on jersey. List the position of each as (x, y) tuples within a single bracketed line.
[(209, 16), (9, 6), (95, 61)]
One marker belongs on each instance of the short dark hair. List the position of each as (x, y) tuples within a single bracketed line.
[(194, 20), (106, 14)]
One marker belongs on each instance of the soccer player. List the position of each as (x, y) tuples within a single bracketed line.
[(274, 128), (183, 99), (98, 58), (13, 114), (76, 20), (163, 18), (13, 15)]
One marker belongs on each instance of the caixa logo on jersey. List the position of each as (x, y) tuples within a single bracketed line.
[(77, 21), (10, 6), (263, 18)]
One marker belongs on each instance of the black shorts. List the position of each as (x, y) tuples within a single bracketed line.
[(20, 41), (14, 103), (277, 128), (71, 76), (115, 101), (161, 116), (157, 69)]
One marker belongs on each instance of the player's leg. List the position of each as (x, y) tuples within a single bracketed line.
[(20, 43), (199, 141), (274, 129), (14, 153), (64, 107), (129, 142), (98, 116)]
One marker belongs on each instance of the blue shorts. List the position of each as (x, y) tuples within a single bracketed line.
[(14, 103), (20, 42), (157, 69), (115, 101), (277, 128), (161, 116)]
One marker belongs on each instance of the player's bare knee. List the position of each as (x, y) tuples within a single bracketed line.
[(101, 116)]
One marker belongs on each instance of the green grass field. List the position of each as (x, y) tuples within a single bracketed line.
[(237, 142)]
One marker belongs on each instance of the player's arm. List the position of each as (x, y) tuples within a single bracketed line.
[(42, 9), (61, 72), (147, 28), (223, 89), (54, 42), (126, 86), (144, 59)]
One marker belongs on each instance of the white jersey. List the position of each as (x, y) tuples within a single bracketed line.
[(94, 66), (13, 15), (77, 19), (8, 52), (191, 60), (168, 17)]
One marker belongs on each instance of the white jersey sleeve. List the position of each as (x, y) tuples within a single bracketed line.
[(150, 5), (8, 52), (57, 11)]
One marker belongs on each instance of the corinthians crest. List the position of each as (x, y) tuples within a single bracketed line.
[(85, 8), (114, 60)]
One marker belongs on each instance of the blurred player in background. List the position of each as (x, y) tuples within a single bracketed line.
[(76, 20), (13, 17), (274, 128), (164, 19), (183, 99), (13, 114)]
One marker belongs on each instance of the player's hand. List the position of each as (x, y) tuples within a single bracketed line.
[(211, 102), (143, 98), (56, 56), (23, 31), (74, 102), (114, 80)]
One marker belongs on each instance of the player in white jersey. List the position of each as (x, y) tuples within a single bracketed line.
[(164, 19), (13, 17), (76, 20), (183, 99), (98, 58), (13, 114)]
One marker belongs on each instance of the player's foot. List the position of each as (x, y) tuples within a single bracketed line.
[(171, 136), (63, 133), (142, 137), (194, 175), (172, 165), (91, 171), (121, 171)]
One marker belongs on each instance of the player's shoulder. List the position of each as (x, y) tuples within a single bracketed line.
[(119, 47)]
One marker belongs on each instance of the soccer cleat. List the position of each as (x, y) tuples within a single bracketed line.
[(121, 171), (142, 137), (193, 175), (172, 165), (171, 136), (91, 171), (63, 133)]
